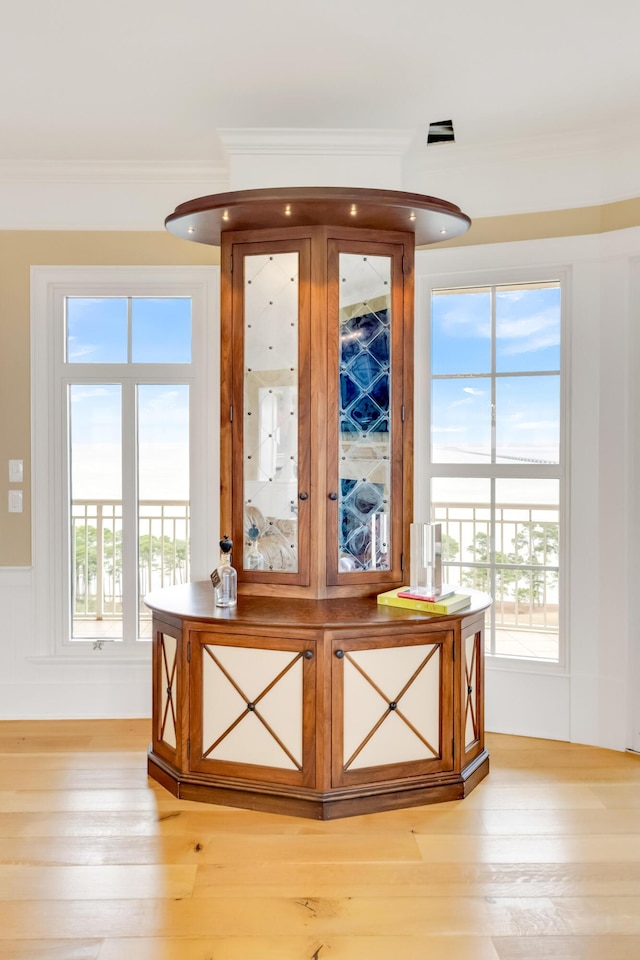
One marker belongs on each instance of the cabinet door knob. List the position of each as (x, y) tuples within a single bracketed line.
[(339, 654), (303, 496), (333, 496), (308, 655)]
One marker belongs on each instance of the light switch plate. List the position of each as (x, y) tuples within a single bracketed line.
[(16, 471), (15, 501)]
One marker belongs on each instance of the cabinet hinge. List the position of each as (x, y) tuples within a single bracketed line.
[(231, 264), (406, 269), (402, 412), (402, 561), (188, 749), (231, 413), (189, 652), (454, 653)]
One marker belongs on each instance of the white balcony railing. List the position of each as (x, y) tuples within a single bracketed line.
[(518, 566), (96, 538)]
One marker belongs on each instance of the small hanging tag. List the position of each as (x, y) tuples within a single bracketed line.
[(215, 577)]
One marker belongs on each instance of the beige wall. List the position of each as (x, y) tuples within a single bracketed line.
[(19, 250)]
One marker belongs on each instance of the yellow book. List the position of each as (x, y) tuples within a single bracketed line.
[(448, 605)]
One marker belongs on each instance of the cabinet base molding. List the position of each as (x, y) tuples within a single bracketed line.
[(328, 806)]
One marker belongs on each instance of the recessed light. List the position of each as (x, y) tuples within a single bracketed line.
[(225, 215), (412, 215), (287, 210), (191, 229), (354, 210)]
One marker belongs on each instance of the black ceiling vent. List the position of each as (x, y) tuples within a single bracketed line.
[(441, 132)]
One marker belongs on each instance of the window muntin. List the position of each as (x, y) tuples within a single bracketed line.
[(495, 464)]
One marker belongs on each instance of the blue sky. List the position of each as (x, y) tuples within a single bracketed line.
[(526, 341), (160, 329)]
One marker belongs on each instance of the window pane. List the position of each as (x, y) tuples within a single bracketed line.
[(461, 332), (527, 516), (95, 418), (463, 506), (461, 420), (161, 329), (96, 330), (527, 329), (163, 490), (528, 419)]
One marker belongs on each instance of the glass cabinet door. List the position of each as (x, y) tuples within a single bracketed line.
[(270, 334), (365, 456)]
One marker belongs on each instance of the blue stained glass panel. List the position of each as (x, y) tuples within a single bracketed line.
[(364, 396)]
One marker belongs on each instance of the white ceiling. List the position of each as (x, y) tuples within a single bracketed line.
[(151, 81)]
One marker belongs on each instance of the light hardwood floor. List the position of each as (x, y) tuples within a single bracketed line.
[(99, 863)]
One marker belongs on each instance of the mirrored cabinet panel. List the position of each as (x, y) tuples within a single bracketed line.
[(270, 412)]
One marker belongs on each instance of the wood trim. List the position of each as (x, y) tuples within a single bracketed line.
[(239, 252), (226, 387), (444, 763), (201, 764)]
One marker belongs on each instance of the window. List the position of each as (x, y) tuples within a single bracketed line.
[(121, 373), (495, 460)]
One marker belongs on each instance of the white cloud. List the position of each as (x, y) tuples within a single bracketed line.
[(84, 350), (528, 334), (89, 394)]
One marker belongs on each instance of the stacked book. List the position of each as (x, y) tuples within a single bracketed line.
[(448, 601)]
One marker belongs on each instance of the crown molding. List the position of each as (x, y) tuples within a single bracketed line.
[(90, 171), (316, 142)]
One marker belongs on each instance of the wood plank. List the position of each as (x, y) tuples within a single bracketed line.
[(393, 880), (272, 917), (610, 947), (145, 798), (22, 882), (561, 823), (537, 795), (303, 948), (69, 778), (119, 823), (50, 950), (529, 849)]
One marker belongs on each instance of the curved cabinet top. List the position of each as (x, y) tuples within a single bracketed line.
[(195, 601), (430, 219)]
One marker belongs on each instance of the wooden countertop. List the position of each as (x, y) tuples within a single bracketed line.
[(195, 601)]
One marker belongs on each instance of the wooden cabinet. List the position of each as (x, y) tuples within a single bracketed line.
[(308, 698), (316, 394), (316, 708)]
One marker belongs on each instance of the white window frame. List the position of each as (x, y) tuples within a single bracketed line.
[(50, 286), (425, 470)]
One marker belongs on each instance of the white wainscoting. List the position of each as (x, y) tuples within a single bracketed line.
[(79, 686)]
